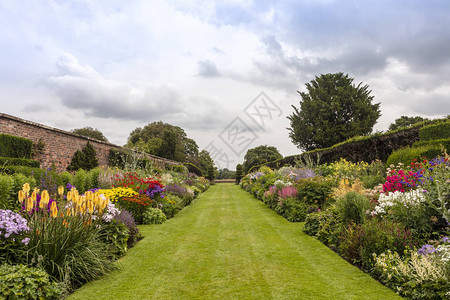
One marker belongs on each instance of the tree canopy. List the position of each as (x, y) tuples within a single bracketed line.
[(331, 111), (260, 155), (90, 132), (405, 121), (165, 140)]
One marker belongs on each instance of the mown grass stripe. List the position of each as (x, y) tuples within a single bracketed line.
[(228, 245)]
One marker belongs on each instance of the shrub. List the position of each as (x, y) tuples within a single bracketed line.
[(136, 205), (353, 207), (115, 235), (314, 191), (409, 154), (371, 181), (85, 159), (177, 168), (171, 205), (82, 180), (9, 161), (27, 171), (126, 218), (13, 146), (438, 143), (435, 132), (153, 216), (312, 223), (292, 209), (359, 242), (68, 248), (22, 282), (6, 189), (118, 158)]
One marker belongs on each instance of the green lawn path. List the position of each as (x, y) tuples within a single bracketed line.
[(229, 245)]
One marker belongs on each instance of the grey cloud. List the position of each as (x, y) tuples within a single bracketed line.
[(207, 68)]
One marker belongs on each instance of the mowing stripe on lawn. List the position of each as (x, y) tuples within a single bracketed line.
[(228, 245)]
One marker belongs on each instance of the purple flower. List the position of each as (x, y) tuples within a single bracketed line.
[(445, 239), (12, 223), (25, 241), (426, 249)]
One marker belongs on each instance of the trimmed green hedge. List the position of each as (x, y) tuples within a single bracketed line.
[(10, 161), (435, 132), (437, 143), (408, 154), (118, 158), (14, 146), (37, 173), (193, 169), (361, 148), (176, 168)]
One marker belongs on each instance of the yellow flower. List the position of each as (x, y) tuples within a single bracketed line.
[(54, 210), (21, 196), (26, 188), (30, 204), (60, 190), (45, 198)]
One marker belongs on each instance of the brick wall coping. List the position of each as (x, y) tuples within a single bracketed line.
[(6, 116)]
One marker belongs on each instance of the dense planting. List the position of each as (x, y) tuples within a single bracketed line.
[(393, 223), (63, 230)]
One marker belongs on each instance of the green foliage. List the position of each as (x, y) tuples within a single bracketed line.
[(118, 158), (90, 132), (358, 243), (177, 168), (226, 174), (72, 252), (6, 188), (164, 140), (371, 181), (82, 181), (435, 132), (14, 146), (210, 173), (292, 209), (260, 155), (194, 169), (333, 110), (22, 282), (405, 121), (409, 154), (353, 207), (85, 159), (153, 216), (9, 161), (115, 235), (314, 191), (238, 173), (436, 143)]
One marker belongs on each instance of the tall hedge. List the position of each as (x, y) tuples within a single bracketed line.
[(14, 146), (435, 132), (10, 161)]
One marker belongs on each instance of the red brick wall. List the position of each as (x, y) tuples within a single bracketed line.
[(60, 145)]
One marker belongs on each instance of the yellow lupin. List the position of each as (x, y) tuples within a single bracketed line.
[(60, 190)]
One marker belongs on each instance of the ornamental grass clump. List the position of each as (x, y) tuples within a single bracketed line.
[(65, 237)]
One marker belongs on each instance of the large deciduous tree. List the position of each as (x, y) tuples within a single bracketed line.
[(405, 121), (259, 155), (331, 111), (91, 132), (164, 140)]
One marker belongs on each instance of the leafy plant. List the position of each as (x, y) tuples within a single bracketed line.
[(353, 207), (22, 282), (153, 216)]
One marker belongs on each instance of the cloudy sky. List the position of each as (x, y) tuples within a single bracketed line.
[(200, 65)]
